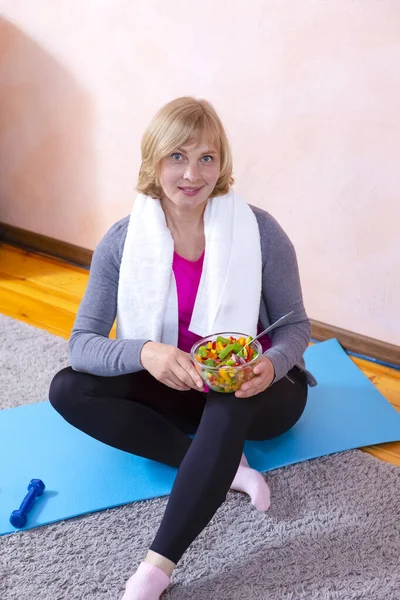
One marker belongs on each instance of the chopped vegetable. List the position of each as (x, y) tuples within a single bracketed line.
[(226, 351), (202, 352), (222, 340)]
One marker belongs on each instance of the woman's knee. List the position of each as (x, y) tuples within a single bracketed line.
[(64, 390), (284, 404), (229, 412)]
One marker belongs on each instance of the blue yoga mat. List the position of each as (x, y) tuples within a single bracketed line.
[(83, 475)]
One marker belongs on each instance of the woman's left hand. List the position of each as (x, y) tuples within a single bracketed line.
[(264, 375)]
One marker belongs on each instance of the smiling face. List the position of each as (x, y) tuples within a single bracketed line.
[(189, 174)]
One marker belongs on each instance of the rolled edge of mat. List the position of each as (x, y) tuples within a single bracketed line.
[(362, 345)]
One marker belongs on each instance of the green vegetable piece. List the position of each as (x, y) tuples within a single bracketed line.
[(225, 352), (237, 347), (202, 351), (222, 340), (228, 362), (210, 362), (249, 339)]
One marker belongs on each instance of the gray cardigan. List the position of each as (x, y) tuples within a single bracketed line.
[(92, 351)]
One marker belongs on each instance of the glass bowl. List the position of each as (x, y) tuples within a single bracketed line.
[(225, 379)]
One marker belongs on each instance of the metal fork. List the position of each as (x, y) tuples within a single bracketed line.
[(270, 328)]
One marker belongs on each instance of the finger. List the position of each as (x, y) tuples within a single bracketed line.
[(195, 377), (260, 368), (193, 372), (249, 389), (247, 393), (181, 374), (186, 372), (175, 383), (174, 386)]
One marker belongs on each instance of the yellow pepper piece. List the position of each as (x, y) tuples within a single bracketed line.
[(224, 375), (209, 345), (242, 341)]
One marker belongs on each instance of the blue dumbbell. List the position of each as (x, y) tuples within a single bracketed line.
[(35, 489)]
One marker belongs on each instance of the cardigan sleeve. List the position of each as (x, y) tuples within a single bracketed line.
[(281, 291)]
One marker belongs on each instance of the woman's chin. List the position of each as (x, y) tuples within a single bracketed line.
[(183, 201)]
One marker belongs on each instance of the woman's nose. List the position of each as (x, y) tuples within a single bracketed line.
[(192, 173)]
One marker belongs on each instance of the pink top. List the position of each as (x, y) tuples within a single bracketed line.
[(187, 275)]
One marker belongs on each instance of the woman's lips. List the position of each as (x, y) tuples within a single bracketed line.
[(190, 191)]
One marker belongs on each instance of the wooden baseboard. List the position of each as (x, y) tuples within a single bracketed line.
[(82, 257), (45, 245), (356, 342)]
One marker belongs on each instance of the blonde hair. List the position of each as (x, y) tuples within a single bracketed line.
[(175, 124)]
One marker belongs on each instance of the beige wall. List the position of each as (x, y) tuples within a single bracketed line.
[(309, 93)]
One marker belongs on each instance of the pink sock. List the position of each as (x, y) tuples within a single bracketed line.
[(148, 583), (251, 482)]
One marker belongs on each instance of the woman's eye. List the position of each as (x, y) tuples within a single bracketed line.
[(207, 159), (176, 155)]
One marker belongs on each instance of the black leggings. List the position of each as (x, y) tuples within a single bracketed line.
[(140, 415)]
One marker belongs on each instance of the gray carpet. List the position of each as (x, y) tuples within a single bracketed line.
[(332, 532)]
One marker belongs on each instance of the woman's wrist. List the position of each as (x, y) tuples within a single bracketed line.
[(145, 352), (273, 368)]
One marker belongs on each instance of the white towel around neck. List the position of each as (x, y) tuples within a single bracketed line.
[(228, 297)]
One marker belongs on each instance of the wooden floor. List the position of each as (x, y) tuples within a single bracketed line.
[(46, 293)]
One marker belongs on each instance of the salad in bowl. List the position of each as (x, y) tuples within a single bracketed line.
[(223, 362)]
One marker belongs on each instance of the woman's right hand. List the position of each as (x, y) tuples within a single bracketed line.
[(171, 366)]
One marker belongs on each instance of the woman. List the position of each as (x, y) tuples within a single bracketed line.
[(191, 260)]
